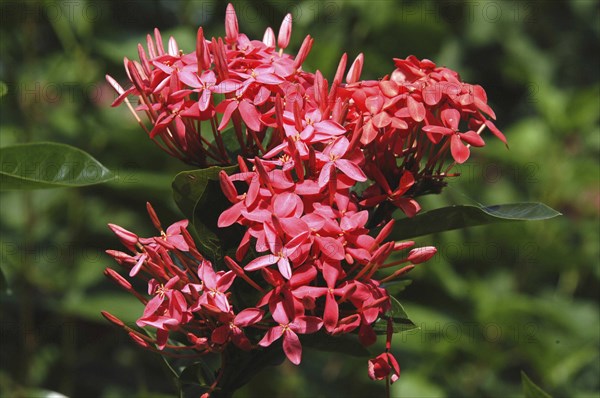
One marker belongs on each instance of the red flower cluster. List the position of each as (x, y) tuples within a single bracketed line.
[(305, 146), (309, 288), (187, 294)]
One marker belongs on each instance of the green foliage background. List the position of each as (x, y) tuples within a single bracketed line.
[(494, 301)]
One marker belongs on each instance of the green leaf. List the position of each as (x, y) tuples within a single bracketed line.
[(198, 195), (197, 373), (48, 165), (345, 344), (244, 365), (3, 89), (399, 317), (455, 217), (530, 389)]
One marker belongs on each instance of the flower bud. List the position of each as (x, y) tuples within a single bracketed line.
[(227, 187), (127, 238), (269, 38), (355, 69), (159, 44), (421, 254), (153, 216), (144, 60), (303, 52), (403, 245), (112, 319), (337, 79), (202, 53), (173, 47), (285, 31), (231, 25), (139, 340), (116, 277), (151, 47)]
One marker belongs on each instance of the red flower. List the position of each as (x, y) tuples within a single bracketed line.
[(215, 285), (382, 366), (289, 329), (450, 119), (231, 328), (333, 158)]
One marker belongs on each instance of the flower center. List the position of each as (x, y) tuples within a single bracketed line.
[(161, 291)]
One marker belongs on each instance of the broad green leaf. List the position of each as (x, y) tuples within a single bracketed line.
[(3, 89), (48, 165), (345, 344), (530, 389), (198, 195), (399, 318), (455, 217)]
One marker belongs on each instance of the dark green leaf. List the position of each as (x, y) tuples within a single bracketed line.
[(397, 286), (198, 373), (198, 195), (246, 365), (345, 344), (530, 389), (399, 318), (455, 217), (48, 165)]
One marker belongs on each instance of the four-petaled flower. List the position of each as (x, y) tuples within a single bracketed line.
[(289, 329)]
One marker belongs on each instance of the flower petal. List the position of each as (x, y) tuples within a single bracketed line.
[(273, 334), (292, 347), (261, 262), (472, 138), (250, 115), (249, 316), (351, 169), (415, 109), (460, 152)]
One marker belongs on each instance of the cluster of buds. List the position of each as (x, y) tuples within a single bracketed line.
[(304, 146)]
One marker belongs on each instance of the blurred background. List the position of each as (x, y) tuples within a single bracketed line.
[(494, 301)]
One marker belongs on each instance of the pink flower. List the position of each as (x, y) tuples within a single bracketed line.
[(166, 310), (215, 285), (450, 119), (280, 253), (231, 329), (289, 329), (382, 366), (333, 158)]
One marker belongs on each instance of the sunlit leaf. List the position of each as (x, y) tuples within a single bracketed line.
[(399, 317), (455, 217), (48, 165)]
